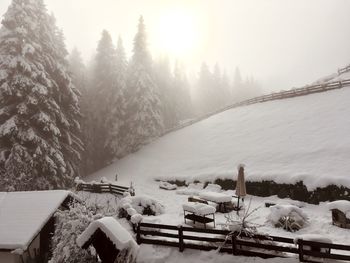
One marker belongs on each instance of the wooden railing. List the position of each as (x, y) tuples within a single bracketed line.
[(269, 97), (343, 70), (102, 188), (222, 240)]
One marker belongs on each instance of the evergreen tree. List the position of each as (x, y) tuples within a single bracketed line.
[(39, 114), (164, 81), (143, 103), (117, 105), (79, 79), (205, 93), (104, 82), (184, 106), (69, 225)]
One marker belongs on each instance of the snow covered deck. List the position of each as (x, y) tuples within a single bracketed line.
[(23, 215)]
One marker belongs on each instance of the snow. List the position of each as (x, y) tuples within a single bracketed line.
[(279, 211), (23, 214), (191, 189), (342, 205), (199, 208), (313, 237), (302, 138), (158, 254), (213, 188), (215, 197), (167, 186), (120, 237)]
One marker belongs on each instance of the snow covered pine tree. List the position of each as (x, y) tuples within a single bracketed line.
[(39, 112), (143, 102)]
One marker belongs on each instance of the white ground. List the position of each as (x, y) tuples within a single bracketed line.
[(304, 138)]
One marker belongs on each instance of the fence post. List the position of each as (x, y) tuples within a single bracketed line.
[(138, 234), (234, 243), (300, 249), (181, 239)]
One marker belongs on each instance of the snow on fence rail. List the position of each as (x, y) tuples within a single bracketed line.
[(343, 70), (296, 92), (257, 245), (102, 188)]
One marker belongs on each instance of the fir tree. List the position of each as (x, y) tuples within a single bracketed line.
[(183, 101), (164, 81), (69, 225), (143, 103), (117, 105), (39, 106), (102, 94)]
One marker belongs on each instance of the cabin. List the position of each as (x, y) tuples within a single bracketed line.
[(109, 239), (27, 224), (340, 213)]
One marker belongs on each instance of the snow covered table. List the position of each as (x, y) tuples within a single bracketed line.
[(221, 199), (198, 212)]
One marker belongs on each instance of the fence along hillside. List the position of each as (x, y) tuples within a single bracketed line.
[(296, 92)]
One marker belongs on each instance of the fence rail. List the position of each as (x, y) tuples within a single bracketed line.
[(258, 245), (102, 188), (343, 70), (296, 92)]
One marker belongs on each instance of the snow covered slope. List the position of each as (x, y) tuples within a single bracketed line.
[(304, 138)]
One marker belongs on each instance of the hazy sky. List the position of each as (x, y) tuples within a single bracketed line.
[(283, 43)]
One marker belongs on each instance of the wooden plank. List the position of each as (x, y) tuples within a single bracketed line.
[(160, 226), (288, 249), (207, 247), (326, 245), (207, 231), (158, 233), (326, 255), (201, 238)]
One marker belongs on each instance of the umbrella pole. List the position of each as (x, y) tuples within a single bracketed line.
[(238, 206)]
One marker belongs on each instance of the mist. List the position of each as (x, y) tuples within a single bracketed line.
[(283, 44)]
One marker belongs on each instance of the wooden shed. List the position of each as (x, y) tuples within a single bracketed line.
[(27, 224)]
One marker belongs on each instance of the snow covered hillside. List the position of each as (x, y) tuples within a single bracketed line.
[(303, 138)]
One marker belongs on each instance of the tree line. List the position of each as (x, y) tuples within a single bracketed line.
[(60, 118)]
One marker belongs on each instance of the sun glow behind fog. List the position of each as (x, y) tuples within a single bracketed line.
[(176, 33)]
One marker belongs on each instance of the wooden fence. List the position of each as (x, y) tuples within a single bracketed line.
[(343, 70), (259, 245), (296, 92), (102, 188)]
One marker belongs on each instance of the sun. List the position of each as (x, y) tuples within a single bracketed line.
[(176, 33)]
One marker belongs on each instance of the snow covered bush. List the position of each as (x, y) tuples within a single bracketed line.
[(144, 205), (69, 225), (289, 217), (167, 186)]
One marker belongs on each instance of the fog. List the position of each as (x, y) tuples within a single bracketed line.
[(282, 43)]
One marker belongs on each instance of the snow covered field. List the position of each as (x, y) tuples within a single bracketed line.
[(304, 138), (320, 223)]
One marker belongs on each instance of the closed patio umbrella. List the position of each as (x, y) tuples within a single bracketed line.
[(240, 185)]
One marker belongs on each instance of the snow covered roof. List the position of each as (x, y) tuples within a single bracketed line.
[(23, 214), (120, 237)]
